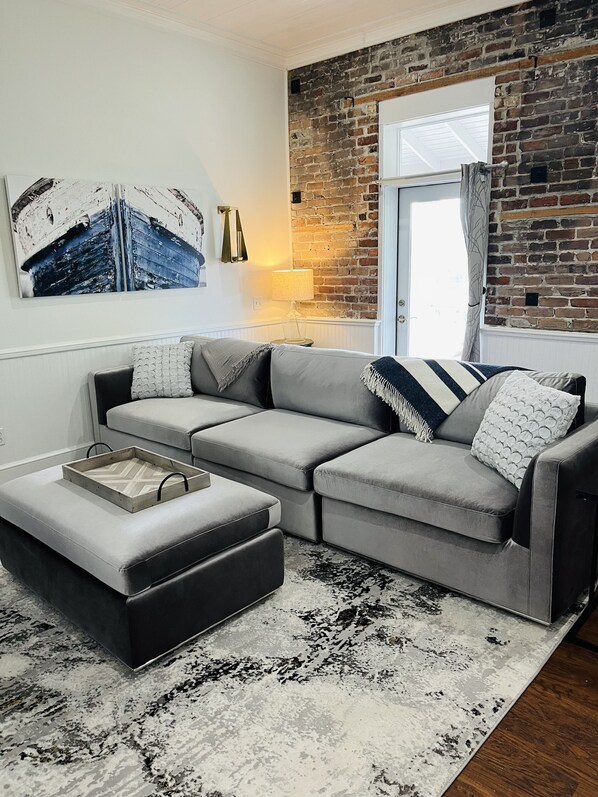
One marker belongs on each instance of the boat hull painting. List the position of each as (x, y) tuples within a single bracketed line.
[(73, 237), (157, 258), (85, 259)]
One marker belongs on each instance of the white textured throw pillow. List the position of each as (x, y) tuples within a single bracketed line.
[(523, 419), (162, 371)]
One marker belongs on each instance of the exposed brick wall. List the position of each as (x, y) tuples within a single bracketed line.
[(546, 115)]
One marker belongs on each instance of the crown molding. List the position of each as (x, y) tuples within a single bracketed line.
[(333, 46), (321, 50), (243, 48)]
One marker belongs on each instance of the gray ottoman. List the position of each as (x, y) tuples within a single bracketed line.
[(141, 584)]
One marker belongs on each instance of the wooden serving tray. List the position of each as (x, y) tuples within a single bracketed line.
[(132, 477)]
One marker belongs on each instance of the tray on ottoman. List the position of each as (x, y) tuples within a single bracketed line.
[(134, 478)]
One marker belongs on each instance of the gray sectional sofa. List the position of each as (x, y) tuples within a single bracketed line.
[(300, 425)]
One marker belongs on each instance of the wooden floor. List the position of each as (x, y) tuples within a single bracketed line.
[(547, 745)]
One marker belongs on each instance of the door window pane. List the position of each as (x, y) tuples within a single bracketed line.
[(439, 283), (433, 283)]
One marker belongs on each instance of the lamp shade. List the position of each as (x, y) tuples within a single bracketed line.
[(293, 284)]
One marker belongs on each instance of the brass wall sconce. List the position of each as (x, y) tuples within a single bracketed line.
[(240, 248)]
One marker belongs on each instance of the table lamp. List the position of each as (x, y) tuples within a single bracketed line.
[(293, 285)]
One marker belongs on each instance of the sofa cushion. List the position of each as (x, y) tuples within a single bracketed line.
[(464, 422), (326, 382), (438, 483), (282, 446), (172, 421), (252, 386)]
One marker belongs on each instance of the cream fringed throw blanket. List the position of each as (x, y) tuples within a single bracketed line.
[(227, 359)]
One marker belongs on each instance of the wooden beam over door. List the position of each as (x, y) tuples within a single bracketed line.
[(531, 62), (548, 212)]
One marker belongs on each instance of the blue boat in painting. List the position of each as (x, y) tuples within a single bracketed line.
[(162, 239), (73, 237), (67, 238)]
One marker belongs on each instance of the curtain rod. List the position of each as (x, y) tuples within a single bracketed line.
[(429, 177), (501, 165)]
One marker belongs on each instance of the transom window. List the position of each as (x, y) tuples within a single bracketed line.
[(441, 143), (434, 132)]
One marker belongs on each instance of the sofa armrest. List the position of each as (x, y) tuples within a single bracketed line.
[(108, 389), (591, 413), (561, 524)]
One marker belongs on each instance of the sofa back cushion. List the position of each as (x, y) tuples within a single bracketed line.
[(326, 382), (252, 387), (462, 424)]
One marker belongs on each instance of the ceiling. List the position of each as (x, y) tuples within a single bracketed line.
[(290, 33)]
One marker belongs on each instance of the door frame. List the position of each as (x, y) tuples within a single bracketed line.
[(467, 94)]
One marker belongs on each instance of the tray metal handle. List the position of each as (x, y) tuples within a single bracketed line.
[(170, 475), (95, 445)]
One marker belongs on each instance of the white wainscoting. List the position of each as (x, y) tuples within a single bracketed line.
[(44, 401), (544, 351), (343, 333)]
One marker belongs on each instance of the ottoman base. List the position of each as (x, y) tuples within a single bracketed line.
[(139, 628)]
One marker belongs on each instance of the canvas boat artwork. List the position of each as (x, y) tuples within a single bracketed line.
[(75, 237), (162, 239), (67, 237)]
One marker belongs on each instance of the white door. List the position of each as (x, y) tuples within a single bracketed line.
[(432, 282)]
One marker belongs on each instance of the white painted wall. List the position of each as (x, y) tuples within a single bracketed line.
[(89, 95), (93, 96)]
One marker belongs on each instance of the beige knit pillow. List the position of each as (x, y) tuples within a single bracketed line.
[(162, 370)]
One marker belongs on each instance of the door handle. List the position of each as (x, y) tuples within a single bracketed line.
[(401, 319)]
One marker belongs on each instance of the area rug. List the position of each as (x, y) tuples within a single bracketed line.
[(351, 681)]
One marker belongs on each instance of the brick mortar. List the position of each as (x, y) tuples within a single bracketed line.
[(543, 116)]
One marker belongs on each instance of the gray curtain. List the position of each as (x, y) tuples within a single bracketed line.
[(475, 203)]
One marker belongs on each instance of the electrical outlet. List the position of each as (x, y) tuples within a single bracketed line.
[(2, 440), (258, 302)]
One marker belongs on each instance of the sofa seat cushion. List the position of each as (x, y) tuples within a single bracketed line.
[(279, 445), (172, 421), (438, 483)]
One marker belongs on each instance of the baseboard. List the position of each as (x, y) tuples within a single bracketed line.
[(47, 460)]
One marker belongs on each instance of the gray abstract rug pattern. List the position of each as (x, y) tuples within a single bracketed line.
[(351, 681)]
